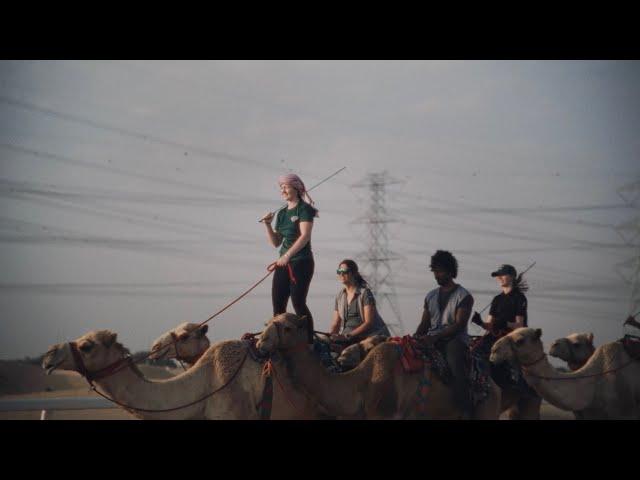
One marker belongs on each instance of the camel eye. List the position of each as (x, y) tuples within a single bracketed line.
[(85, 347), (520, 342), (287, 329), (183, 336)]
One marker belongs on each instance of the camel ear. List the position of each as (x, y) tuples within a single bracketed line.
[(537, 334), (205, 329), (590, 338), (110, 339)]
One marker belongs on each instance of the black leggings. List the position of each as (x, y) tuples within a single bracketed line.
[(282, 288)]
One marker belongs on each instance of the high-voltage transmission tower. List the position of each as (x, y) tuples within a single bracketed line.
[(376, 260), (629, 231)]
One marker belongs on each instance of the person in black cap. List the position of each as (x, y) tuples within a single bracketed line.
[(509, 309), (508, 312), (444, 323)]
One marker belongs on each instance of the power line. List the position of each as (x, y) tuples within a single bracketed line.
[(132, 134)]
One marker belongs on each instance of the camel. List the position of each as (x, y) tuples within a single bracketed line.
[(588, 390), (226, 366), (190, 343), (377, 388), (575, 349), (516, 405)]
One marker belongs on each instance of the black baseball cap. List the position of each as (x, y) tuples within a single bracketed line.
[(505, 270)]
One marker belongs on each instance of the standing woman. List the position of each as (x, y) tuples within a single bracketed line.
[(295, 266)]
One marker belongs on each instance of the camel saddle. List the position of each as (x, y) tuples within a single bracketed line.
[(631, 344), (415, 357), (411, 355)]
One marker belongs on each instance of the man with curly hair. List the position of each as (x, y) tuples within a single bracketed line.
[(444, 323)]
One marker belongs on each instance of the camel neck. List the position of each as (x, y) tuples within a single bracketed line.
[(132, 388), (567, 391), (336, 393)]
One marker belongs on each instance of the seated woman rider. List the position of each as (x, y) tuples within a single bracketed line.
[(355, 316)]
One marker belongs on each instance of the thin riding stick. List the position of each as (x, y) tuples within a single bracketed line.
[(317, 184)]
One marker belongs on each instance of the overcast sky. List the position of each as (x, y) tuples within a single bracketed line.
[(130, 191)]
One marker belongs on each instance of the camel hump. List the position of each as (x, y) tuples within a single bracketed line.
[(384, 352), (227, 357)]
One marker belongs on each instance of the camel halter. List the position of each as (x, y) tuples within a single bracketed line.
[(193, 359), (592, 375), (118, 365), (526, 365), (298, 346), (99, 374)]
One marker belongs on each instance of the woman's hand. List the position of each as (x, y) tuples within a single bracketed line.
[(283, 260), (339, 338), (268, 218)]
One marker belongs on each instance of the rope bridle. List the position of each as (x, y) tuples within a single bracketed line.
[(192, 359), (118, 365), (526, 367)]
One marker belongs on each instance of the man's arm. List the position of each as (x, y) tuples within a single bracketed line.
[(425, 323), (463, 312)]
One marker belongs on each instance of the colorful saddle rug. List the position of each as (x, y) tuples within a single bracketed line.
[(415, 357), (479, 371), (411, 355)]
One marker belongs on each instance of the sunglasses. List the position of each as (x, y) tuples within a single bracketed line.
[(342, 271)]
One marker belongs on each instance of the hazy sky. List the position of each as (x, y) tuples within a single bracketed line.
[(130, 191)]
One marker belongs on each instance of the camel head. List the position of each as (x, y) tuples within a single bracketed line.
[(191, 343), (98, 349), (351, 356), (575, 349), (283, 332), (522, 346)]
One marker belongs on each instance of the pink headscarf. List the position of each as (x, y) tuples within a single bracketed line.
[(295, 181)]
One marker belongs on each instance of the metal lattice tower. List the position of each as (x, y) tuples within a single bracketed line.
[(376, 260), (629, 231)]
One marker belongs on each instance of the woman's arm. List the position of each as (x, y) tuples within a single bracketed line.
[(303, 239), (274, 237), (517, 324), (367, 323), (335, 323)]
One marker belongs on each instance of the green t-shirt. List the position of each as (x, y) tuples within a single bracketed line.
[(287, 226)]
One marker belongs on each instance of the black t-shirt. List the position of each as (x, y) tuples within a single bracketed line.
[(505, 308)]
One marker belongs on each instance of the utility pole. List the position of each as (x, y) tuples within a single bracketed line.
[(629, 231), (376, 260)]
